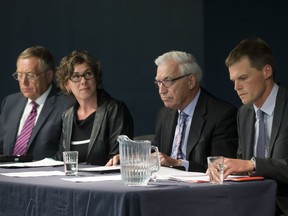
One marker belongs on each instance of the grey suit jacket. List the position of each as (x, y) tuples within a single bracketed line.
[(213, 131), (276, 167), (46, 133)]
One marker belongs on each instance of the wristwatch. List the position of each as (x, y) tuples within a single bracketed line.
[(253, 160)]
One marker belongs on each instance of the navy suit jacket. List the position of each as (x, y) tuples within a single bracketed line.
[(276, 166), (213, 131), (46, 133)]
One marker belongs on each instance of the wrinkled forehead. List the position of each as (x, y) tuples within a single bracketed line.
[(167, 69), (27, 64)]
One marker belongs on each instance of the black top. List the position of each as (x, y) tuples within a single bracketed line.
[(111, 119), (81, 136)]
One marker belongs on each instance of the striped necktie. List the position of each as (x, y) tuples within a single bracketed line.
[(24, 136), (261, 142), (179, 137)]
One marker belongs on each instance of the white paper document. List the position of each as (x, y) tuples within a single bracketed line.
[(192, 179), (100, 168), (94, 178), (41, 163), (170, 173), (34, 174), (164, 173)]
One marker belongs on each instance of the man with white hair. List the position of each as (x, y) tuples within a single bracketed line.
[(193, 124)]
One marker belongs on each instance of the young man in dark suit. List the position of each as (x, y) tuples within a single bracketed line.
[(251, 68), (34, 73)]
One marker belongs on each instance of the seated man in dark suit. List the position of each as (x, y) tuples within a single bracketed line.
[(263, 118), (209, 125), (30, 121)]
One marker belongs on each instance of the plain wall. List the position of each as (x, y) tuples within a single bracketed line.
[(227, 23), (126, 36)]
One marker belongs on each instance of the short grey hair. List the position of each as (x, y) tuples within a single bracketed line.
[(45, 58), (187, 62)]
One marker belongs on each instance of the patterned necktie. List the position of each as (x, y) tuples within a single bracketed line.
[(24, 136), (261, 142), (179, 136)]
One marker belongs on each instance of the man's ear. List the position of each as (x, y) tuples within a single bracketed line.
[(192, 81), (268, 71), (50, 75)]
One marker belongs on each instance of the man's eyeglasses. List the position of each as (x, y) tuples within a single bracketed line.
[(30, 76), (76, 77), (168, 82)]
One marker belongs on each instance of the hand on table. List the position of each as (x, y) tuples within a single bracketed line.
[(168, 161), (113, 161)]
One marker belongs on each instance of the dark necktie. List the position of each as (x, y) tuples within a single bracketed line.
[(24, 136), (261, 142), (179, 137)]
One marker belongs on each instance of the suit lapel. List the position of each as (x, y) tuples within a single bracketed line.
[(68, 127), (15, 121), (197, 122), (277, 119), (99, 116), (48, 107), (170, 131), (195, 132), (249, 122)]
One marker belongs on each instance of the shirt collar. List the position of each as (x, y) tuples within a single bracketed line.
[(269, 104), (41, 100), (189, 109)]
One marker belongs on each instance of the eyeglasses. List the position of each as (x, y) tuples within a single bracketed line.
[(76, 77), (168, 82), (30, 76)]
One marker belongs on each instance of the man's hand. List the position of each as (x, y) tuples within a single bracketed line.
[(233, 166), (113, 161), (168, 161)]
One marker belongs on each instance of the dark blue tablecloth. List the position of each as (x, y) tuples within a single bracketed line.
[(52, 196)]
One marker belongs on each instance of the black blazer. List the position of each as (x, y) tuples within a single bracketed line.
[(276, 167), (112, 118), (213, 131), (46, 133)]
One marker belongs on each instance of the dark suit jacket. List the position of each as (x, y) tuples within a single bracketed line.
[(276, 167), (213, 131), (112, 118), (46, 133)]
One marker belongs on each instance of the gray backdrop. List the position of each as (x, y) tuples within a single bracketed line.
[(127, 35)]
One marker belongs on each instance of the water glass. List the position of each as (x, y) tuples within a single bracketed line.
[(70, 159), (216, 169)]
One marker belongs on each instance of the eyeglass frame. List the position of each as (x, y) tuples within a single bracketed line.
[(82, 75), (171, 81), (28, 75)]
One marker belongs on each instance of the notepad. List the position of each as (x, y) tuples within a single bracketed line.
[(246, 178), (41, 163), (16, 158), (101, 169)]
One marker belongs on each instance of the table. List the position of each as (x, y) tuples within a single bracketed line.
[(52, 196)]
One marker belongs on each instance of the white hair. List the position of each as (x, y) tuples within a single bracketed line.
[(187, 62)]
